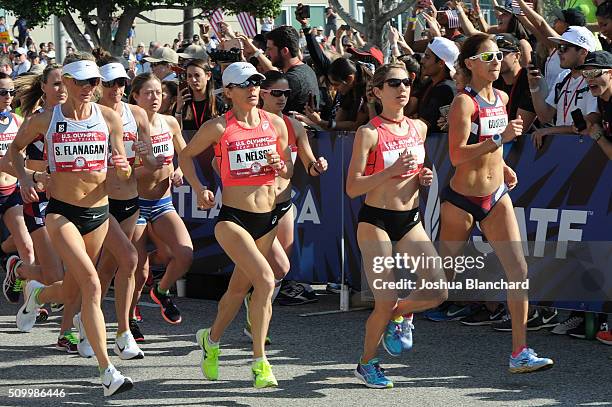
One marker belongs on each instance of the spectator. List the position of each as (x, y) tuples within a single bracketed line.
[(194, 52), (597, 70), (22, 29), (140, 51), (267, 25), (3, 24), (131, 35), (43, 47), (6, 66), (283, 51), (570, 90), (513, 80), (438, 63), (604, 20), (331, 21), (22, 64), (169, 93), (319, 37), (196, 40), (162, 61), (33, 57), (50, 46)]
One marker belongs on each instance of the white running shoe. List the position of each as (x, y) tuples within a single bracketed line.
[(84, 348), (114, 382), (127, 348), (26, 317)]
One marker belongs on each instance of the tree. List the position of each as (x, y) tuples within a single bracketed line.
[(377, 16), (97, 15)]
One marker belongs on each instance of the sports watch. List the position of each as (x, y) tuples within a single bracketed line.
[(497, 139)]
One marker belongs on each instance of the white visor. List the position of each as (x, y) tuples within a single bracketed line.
[(82, 70), (112, 71)]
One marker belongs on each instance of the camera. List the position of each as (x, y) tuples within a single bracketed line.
[(221, 55)]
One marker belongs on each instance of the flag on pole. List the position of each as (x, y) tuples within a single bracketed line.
[(453, 18), (248, 24), (215, 19)]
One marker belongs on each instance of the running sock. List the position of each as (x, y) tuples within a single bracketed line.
[(210, 342), (261, 359), (162, 292), (277, 287), (522, 348)]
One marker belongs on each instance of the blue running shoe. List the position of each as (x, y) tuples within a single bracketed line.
[(528, 361), (372, 375), (406, 337), (392, 338), (452, 313)]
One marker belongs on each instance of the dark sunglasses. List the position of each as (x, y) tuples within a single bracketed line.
[(9, 92), (246, 84), (93, 82), (278, 92), (395, 83), (121, 82), (564, 47)]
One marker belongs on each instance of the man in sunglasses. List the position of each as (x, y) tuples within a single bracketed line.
[(162, 61), (597, 71), (22, 64), (570, 91)]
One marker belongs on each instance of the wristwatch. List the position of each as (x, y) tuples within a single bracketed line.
[(497, 139), (597, 135)]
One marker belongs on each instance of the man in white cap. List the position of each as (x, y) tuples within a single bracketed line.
[(570, 90), (162, 61), (22, 64), (438, 64)]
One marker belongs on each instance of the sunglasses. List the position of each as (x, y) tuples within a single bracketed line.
[(489, 56), (395, 82), (593, 73), (278, 92), (93, 82), (9, 92), (246, 84), (121, 82), (564, 47)]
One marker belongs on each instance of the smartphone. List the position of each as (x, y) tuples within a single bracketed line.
[(345, 27), (534, 59), (579, 121)]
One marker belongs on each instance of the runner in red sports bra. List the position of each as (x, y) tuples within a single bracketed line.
[(478, 126), (387, 167), (77, 135), (253, 147)]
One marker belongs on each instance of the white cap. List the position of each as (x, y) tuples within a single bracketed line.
[(446, 50), (82, 70), (21, 51), (579, 36), (320, 28), (239, 72), (51, 54), (112, 71), (194, 52)]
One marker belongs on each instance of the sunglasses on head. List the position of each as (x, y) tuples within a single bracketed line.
[(489, 56), (395, 82), (278, 92), (10, 92), (118, 81), (84, 82), (564, 47), (593, 73), (246, 84)]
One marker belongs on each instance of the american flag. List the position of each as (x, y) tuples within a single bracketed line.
[(516, 9), (215, 19), (248, 24), (453, 18)]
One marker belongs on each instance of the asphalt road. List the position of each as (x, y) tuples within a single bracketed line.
[(312, 357)]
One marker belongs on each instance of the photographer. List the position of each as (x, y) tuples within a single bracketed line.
[(597, 70), (331, 21)]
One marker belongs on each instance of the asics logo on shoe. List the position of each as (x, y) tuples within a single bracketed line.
[(120, 348), (107, 386)]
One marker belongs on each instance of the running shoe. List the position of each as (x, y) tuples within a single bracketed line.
[(392, 337), (67, 342), (293, 293), (114, 382), (574, 320), (372, 375), (247, 329), (169, 311), (84, 348), (138, 314), (453, 312), (578, 331), (56, 307), (127, 348), (407, 328), (262, 374), (528, 361), (210, 355), (505, 324), (135, 330), (12, 285), (485, 317), (26, 316), (333, 288), (42, 315), (604, 335), (545, 318)]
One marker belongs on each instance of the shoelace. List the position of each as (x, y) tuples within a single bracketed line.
[(72, 338), (213, 353), (18, 286), (573, 322), (379, 371)]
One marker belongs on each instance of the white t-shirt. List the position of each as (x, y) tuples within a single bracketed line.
[(552, 69), (573, 95)]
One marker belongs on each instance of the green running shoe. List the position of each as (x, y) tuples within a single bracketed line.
[(262, 374), (210, 355)]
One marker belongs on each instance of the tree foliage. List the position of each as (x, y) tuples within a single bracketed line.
[(97, 15)]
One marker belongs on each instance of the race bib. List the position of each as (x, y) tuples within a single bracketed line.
[(294, 150), (128, 142), (493, 120), (162, 144), (5, 140), (247, 158), (86, 151), (393, 148)]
